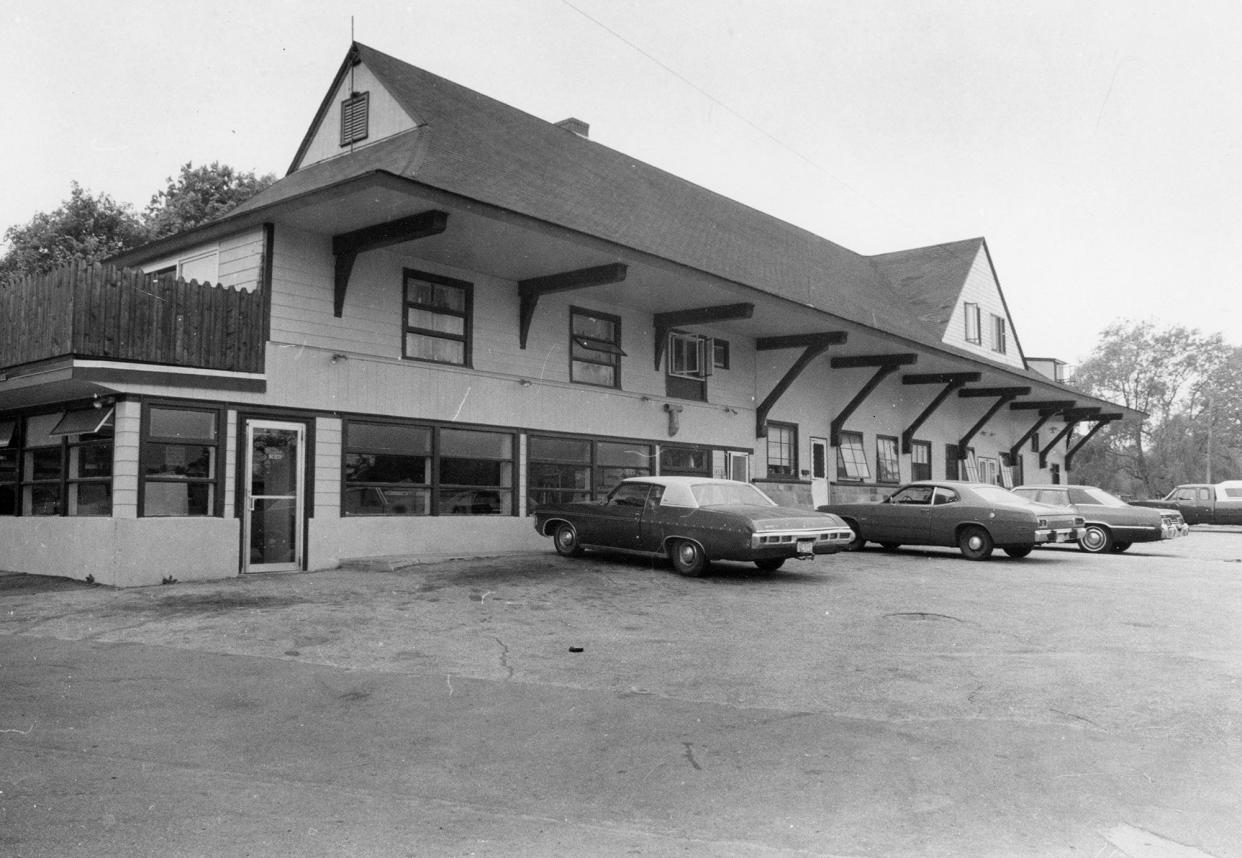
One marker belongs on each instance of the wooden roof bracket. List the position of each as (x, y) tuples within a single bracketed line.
[(885, 365), (566, 281), (951, 380), (1101, 421), (813, 346), (1047, 410), (665, 322), (1004, 395), (347, 245), (1072, 418)]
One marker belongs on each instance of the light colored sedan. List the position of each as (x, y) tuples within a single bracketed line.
[(1111, 523)]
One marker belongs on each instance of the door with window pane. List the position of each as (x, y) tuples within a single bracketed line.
[(274, 495)]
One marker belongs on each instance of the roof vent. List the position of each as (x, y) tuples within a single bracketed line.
[(577, 126)]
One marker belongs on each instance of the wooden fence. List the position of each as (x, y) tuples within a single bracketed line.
[(100, 311)]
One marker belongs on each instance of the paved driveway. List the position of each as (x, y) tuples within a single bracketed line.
[(869, 704)]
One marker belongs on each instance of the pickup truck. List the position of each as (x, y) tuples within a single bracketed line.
[(1202, 503)]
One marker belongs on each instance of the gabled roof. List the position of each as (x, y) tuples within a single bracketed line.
[(930, 278), (475, 146)]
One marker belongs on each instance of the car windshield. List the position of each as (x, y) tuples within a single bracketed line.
[(729, 494)]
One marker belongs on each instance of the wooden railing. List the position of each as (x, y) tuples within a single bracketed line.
[(100, 311)]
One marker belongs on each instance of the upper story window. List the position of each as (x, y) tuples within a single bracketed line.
[(594, 348), (998, 334), (782, 450), (690, 361), (354, 117), (437, 319), (851, 459), (974, 333)]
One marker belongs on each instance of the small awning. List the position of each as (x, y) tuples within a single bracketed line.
[(6, 432), (86, 421)]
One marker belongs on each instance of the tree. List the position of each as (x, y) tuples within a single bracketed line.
[(84, 228), (1167, 373), (200, 194)]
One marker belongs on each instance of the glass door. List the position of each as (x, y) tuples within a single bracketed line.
[(819, 471), (274, 495)]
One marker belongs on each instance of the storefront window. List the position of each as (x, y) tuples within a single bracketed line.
[(407, 469), (180, 456), (561, 470)]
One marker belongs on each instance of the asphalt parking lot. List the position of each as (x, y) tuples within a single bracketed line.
[(867, 704)]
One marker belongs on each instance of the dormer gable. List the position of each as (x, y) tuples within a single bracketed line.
[(358, 110), (953, 290)]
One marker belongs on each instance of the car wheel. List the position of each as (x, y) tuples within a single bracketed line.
[(1095, 540), (1019, 551), (856, 541), (975, 543), (688, 558), (1119, 547), (565, 538), (770, 564), (890, 546)]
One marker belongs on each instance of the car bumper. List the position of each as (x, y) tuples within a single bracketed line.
[(1060, 534), (1175, 531), (799, 543)]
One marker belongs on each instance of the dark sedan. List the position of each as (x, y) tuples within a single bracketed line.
[(692, 521), (975, 517), (1111, 523)]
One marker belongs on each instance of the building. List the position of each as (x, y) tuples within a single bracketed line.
[(449, 311)]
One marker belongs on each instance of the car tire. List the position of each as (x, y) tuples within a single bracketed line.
[(856, 541), (565, 538), (1095, 540), (1119, 547), (975, 543), (688, 557), (770, 564), (1018, 551)]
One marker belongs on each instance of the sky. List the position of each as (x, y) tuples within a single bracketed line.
[(1097, 147)]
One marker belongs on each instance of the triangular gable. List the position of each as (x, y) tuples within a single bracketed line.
[(373, 115), (953, 290)]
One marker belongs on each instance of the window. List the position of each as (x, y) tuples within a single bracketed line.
[(594, 348), (887, 464), (572, 469), (973, 325), (971, 466), (408, 469), (920, 460), (988, 471), (1054, 470), (720, 354), (180, 462), (66, 466), (851, 460), (437, 319), (685, 462), (690, 361), (782, 450), (998, 334), (8, 467), (819, 459), (354, 116)]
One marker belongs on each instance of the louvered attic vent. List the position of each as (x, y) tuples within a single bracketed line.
[(354, 118)]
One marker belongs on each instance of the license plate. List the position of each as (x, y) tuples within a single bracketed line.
[(806, 546)]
